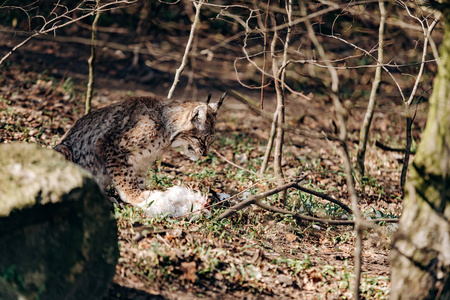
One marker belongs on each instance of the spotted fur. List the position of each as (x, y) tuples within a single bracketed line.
[(120, 142)]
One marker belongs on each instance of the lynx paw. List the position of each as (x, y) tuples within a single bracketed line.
[(134, 198), (144, 196)]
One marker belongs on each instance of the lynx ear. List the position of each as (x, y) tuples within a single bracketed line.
[(215, 106), (198, 115)]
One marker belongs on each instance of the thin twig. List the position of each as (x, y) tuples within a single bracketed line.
[(280, 75), (409, 122), (364, 132), (255, 109), (325, 197), (255, 199), (51, 25), (269, 145), (342, 114), (198, 6), (408, 103), (316, 63), (318, 194), (319, 13), (387, 148), (251, 199), (233, 164), (374, 58), (365, 224), (91, 62), (427, 34), (263, 27)]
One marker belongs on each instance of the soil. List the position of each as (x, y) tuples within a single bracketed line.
[(42, 89)]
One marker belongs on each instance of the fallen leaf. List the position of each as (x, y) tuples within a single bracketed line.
[(315, 276), (291, 237), (189, 270), (284, 279), (218, 276)]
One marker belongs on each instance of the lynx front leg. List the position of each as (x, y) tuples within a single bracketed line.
[(127, 184), (127, 158), (124, 177)]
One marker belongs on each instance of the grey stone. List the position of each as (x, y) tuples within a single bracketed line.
[(58, 237)]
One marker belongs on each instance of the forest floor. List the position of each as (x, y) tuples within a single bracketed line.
[(254, 254)]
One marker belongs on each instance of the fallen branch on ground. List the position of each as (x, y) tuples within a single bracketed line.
[(366, 223), (232, 210), (298, 187), (325, 197), (255, 199), (387, 148)]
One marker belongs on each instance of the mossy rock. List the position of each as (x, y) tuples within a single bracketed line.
[(58, 237)]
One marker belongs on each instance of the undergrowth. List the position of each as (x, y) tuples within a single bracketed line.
[(253, 248)]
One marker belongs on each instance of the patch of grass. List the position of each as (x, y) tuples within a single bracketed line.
[(10, 274), (376, 213), (68, 85), (295, 266), (345, 237), (375, 287), (128, 215), (157, 179)]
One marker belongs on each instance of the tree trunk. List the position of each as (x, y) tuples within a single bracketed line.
[(421, 251)]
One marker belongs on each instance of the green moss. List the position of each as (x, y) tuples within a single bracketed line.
[(31, 176)]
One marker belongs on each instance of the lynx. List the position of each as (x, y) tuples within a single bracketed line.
[(120, 142)]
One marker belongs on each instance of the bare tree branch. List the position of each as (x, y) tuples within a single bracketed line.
[(325, 197), (364, 132), (408, 103), (365, 224), (341, 115), (269, 145), (255, 109), (322, 12), (198, 6), (256, 200), (374, 58), (57, 22), (427, 34), (251, 199), (91, 62)]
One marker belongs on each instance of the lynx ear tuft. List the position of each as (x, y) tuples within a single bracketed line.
[(215, 106), (209, 99)]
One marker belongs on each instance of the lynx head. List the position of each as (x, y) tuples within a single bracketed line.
[(197, 132)]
